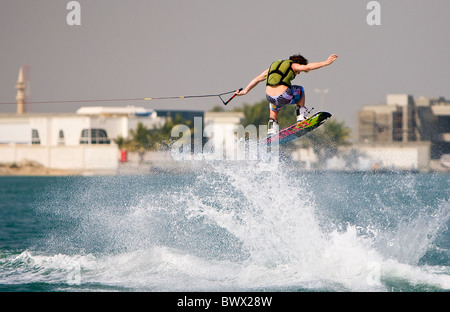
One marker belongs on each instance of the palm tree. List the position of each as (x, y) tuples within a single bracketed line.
[(140, 141), (258, 114), (121, 142), (326, 139), (161, 137), (143, 139), (337, 132)]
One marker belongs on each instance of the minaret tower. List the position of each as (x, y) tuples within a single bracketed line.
[(21, 87)]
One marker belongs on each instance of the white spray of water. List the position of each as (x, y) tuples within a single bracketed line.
[(279, 227), (242, 226)]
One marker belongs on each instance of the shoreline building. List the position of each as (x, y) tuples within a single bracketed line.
[(81, 141), (403, 122)]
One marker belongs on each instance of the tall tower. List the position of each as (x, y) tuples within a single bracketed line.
[(21, 87)]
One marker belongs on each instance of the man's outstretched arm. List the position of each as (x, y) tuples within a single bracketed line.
[(261, 77), (313, 66)]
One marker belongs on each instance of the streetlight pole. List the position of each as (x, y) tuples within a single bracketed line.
[(322, 93)]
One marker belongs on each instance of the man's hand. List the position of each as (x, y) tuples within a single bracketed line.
[(240, 92), (332, 58)]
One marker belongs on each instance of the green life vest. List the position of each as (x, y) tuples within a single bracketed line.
[(280, 73)]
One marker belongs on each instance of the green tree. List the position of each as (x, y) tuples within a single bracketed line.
[(121, 142), (140, 141), (162, 137), (143, 139), (217, 108), (258, 114), (326, 139), (338, 133), (332, 134)]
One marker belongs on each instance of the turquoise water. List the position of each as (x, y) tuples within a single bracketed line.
[(232, 228)]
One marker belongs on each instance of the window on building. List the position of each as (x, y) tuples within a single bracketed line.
[(397, 126), (35, 137), (61, 138), (94, 136), (443, 124)]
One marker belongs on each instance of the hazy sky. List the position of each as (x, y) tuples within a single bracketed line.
[(155, 48)]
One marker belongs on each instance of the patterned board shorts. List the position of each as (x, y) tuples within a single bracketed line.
[(293, 95)]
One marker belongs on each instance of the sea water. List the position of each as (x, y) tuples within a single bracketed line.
[(228, 227)]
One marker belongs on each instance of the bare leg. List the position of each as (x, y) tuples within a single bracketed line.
[(300, 109), (302, 101), (272, 126), (273, 115)]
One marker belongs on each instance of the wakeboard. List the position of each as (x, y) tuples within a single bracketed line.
[(297, 130)]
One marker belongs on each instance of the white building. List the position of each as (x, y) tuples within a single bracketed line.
[(404, 119), (221, 129), (72, 129), (81, 141)]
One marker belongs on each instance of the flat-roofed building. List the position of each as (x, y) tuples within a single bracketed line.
[(405, 119)]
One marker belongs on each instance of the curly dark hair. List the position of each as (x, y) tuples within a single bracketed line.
[(297, 58)]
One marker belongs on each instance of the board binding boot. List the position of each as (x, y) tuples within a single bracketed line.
[(297, 130), (272, 127), (301, 112)]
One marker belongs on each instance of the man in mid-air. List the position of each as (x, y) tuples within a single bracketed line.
[(279, 90)]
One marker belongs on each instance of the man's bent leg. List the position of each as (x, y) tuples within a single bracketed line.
[(300, 109), (273, 126)]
